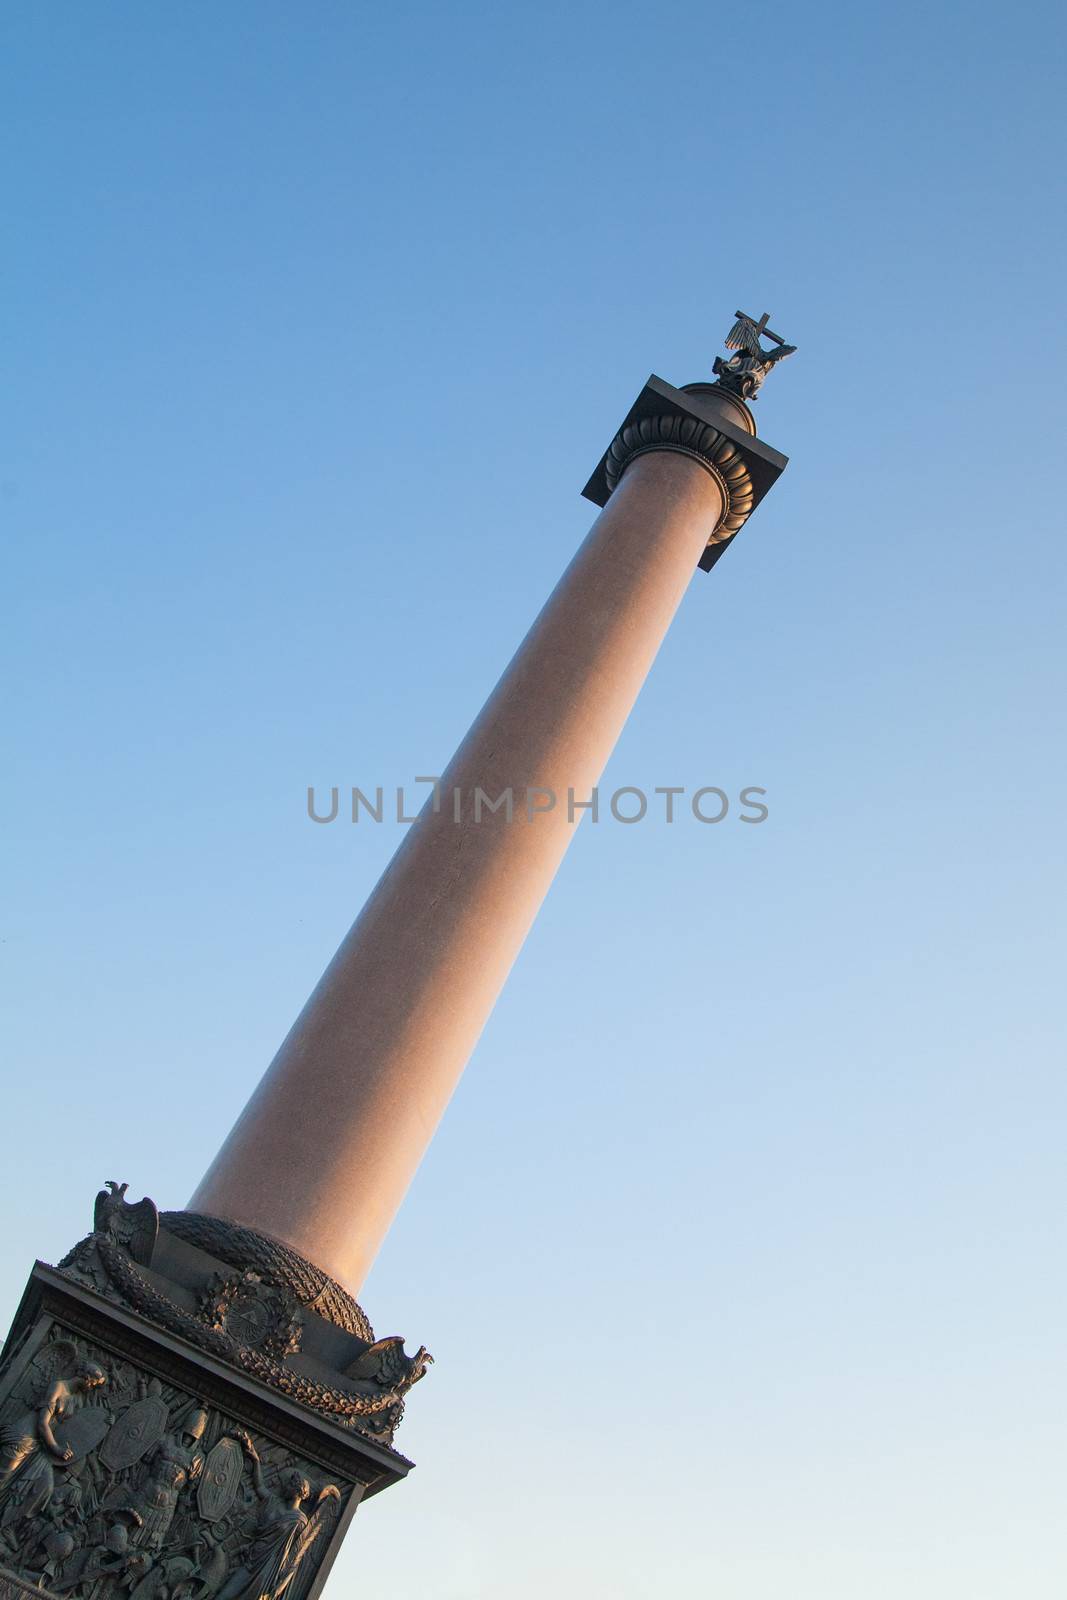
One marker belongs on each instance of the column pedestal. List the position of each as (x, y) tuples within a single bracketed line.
[(187, 1404)]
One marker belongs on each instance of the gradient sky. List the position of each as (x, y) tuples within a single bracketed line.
[(741, 1247)]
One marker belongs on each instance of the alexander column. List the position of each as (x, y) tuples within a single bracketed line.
[(196, 1403)]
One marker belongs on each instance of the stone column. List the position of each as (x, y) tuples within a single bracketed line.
[(322, 1156), (230, 1323)]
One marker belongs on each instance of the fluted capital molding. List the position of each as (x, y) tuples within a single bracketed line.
[(708, 426), (688, 436)]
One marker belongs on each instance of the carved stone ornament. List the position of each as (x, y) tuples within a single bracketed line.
[(257, 1316), (254, 1318), (96, 1500), (136, 1432), (176, 1424), (220, 1480), (689, 436), (710, 424)]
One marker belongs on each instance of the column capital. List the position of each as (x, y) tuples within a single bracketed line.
[(704, 424)]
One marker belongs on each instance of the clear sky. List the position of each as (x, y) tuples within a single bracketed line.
[(741, 1247)]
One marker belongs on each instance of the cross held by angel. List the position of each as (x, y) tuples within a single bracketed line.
[(743, 374)]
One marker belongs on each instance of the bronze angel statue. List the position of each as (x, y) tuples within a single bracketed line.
[(743, 374)]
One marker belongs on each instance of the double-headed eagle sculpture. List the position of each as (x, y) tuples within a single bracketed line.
[(743, 373)]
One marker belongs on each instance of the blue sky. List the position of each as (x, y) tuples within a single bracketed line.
[(739, 1248)]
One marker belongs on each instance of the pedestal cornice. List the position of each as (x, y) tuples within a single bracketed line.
[(697, 424)]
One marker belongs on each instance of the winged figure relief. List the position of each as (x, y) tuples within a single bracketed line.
[(319, 1521), (50, 1424)]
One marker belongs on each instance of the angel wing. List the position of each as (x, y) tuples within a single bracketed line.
[(742, 336), (62, 1355), (322, 1520), (57, 1360), (28, 1394)]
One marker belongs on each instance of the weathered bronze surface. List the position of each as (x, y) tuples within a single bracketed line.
[(743, 373), (175, 1425), (711, 424)]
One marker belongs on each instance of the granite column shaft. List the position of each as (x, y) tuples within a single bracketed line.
[(326, 1148)]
